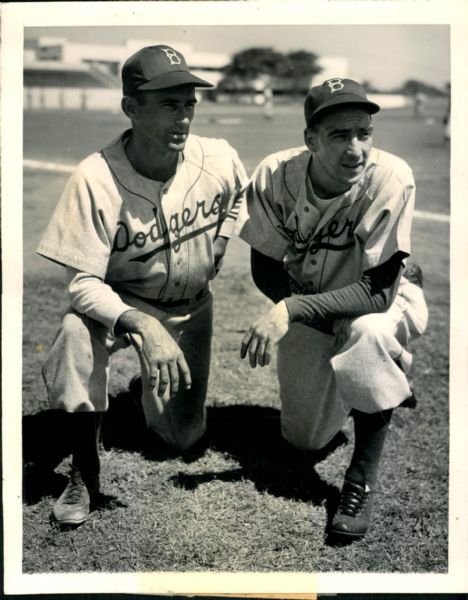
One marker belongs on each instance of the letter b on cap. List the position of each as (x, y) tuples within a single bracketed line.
[(172, 56), (335, 85)]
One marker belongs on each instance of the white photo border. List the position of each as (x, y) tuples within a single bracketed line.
[(17, 16)]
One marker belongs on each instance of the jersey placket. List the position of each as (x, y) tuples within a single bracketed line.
[(177, 256), (308, 217)]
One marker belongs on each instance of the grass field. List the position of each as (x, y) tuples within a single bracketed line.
[(244, 501)]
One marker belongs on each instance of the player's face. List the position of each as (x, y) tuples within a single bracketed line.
[(341, 143), (163, 117)]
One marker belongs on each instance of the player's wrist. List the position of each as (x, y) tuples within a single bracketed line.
[(131, 321), (281, 311), (294, 308)]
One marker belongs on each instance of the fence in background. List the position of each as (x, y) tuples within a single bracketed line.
[(43, 98)]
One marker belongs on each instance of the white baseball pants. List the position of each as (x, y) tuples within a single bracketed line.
[(363, 367), (77, 368)]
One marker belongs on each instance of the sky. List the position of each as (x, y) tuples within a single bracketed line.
[(385, 55)]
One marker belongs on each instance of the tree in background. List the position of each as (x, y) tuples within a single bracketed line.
[(411, 87), (252, 62), (264, 65), (301, 66), (369, 87)]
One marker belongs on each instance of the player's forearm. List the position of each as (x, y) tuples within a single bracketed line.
[(90, 296), (345, 303), (269, 276), (373, 293)]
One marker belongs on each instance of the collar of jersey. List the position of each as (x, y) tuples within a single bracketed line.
[(131, 180)]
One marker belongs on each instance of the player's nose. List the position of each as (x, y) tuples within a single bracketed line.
[(354, 147), (184, 115)]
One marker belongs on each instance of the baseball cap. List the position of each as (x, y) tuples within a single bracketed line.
[(157, 68), (333, 92)]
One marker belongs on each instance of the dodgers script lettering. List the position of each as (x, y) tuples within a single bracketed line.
[(177, 224), (335, 235)]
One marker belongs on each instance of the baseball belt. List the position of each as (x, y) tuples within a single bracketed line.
[(175, 303)]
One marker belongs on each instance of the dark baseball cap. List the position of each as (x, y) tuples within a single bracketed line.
[(157, 68), (333, 92)]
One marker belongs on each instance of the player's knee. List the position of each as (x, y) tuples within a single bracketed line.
[(183, 443), (73, 331), (306, 440), (72, 326), (315, 445), (182, 439), (374, 326)]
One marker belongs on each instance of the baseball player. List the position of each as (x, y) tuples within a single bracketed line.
[(329, 224), (141, 228)]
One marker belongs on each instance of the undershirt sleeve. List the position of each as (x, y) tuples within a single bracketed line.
[(91, 296), (374, 292), (269, 276)]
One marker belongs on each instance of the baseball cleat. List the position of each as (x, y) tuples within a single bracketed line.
[(353, 515), (72, 507)]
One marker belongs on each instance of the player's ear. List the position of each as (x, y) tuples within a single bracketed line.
[(310, 137), (129, 106)]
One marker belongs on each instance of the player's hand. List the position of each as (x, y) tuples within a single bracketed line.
[(219, 250), (164, 359), (265, 334)]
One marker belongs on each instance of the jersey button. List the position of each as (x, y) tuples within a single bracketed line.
[(313, 262), (179, 260), (306, 209), (176, 283)]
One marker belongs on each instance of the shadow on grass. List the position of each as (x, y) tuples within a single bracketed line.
[(251, 435)]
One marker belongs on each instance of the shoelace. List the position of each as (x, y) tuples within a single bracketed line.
[(74, 492), (353, 499)]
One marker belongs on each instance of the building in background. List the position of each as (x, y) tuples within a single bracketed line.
[(81, 76), (63, 74)]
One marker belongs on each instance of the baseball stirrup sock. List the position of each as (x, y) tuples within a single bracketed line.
[(84, 431), (370, 431)]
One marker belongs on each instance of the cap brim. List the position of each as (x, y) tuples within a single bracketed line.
[(371, 107), (173, 79)]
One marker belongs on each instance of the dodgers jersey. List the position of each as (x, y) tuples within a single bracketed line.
[(142, 236), (325, 249)]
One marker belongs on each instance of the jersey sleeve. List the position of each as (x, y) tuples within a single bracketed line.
[(386, 227), (235, 196), (262, 224), (81, 229)]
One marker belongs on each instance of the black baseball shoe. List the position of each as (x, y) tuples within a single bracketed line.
[(352, 518)]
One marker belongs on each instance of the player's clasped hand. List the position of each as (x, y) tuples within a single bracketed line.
[(163, 357), (264, 335), (165, 360)]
